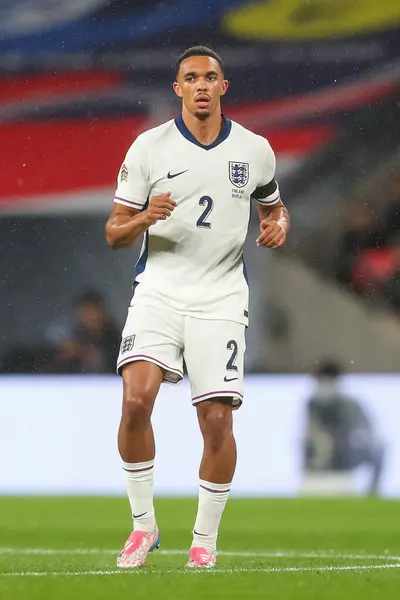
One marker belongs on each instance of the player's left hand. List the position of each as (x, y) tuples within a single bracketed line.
[(272, 235)]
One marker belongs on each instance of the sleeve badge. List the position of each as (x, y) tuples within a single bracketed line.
[(124, 173)]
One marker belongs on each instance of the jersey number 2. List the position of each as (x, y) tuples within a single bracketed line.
[(230, 365), (208, 203)]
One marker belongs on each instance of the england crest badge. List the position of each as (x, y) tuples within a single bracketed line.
[(124, 173), (238, 173), (127, 344)]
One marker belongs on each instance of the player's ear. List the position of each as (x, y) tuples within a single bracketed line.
[(177, 89), (224, 87)]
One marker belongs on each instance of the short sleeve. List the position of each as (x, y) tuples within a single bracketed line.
[(133, 177), (267, 190)]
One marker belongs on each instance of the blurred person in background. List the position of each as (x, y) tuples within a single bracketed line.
[(87, 343), (97, 337), (340, 435), (361, 234), (367, 254), (375, 272)]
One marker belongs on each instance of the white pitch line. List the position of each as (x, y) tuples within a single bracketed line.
[(210, 571), (278, 554), (322, 555)]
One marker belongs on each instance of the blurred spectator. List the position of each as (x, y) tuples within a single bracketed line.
[(360, 235), (87, 343), (368, 255), (375, 270), (93, 344), (340, 435)]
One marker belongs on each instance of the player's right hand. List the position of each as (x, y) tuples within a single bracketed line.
[(160, 208)]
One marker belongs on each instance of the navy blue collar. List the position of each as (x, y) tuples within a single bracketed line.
[(223, 134)]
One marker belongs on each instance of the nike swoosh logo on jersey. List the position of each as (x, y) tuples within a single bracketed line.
[(172, 175), (230, 379)]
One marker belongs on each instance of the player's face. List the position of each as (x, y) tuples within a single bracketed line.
[(200, 84)]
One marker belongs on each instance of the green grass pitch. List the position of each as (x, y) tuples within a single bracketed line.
[(59, 548)]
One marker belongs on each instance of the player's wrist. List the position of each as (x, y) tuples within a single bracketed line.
[(146, 218), (282, 225)]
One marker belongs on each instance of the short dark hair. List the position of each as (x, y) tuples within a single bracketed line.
[(199, 51)]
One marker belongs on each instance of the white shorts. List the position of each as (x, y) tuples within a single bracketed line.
[(213, 350)]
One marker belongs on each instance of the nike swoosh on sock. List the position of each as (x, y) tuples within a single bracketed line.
[(138, 516)]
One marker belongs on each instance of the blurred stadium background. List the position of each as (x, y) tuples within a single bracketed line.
[(318, 78)]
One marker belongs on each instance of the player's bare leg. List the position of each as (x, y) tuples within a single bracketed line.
[(219, 454), (216, 473), (141, 382)]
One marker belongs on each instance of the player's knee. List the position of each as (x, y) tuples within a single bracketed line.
[(217, 426), (136, 409)]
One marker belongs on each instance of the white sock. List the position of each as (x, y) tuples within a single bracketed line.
[(139, 485), (212, 500)]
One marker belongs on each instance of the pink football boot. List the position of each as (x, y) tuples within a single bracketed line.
[(137, 547), (200, 558)]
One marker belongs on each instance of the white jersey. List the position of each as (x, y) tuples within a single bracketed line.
[(193, 260)]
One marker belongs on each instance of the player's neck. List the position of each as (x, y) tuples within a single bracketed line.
[(205, 132)]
